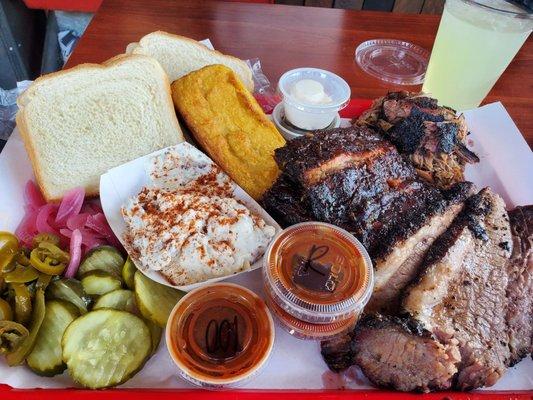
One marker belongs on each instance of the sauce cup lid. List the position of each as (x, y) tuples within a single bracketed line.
[(318, 272), (220, 335), (334, 86)]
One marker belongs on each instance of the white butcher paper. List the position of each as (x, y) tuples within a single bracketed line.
[(506, 165)]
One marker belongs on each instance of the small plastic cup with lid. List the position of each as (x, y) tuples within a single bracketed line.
[(312, 97), (318, 274), (306, 330), (220, 335)]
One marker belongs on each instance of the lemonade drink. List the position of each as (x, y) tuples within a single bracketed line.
[(474, 45)]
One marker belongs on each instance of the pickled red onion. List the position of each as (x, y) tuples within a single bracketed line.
[(98, 223), (77, 221), (27, 229), (72, 215), (43, 215), (75, 254), (70, 205)]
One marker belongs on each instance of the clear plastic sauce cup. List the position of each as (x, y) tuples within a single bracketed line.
[(220, 335), (306, 330), (312, 97), (318, 273)]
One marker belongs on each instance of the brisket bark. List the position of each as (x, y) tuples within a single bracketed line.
[(399, 353)]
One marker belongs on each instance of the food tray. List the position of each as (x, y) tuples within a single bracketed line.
[(496, 166)]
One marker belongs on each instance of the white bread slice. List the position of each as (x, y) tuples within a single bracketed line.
[(179, 55), (78, 123)]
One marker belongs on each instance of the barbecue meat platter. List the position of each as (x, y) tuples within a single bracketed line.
[(452, 300), (365, 235)]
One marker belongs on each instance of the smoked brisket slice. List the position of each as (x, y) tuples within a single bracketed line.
[(410, 242), (461, 292), (399, 353), (520, 287)]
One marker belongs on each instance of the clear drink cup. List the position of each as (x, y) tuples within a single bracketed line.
[(476, 41)]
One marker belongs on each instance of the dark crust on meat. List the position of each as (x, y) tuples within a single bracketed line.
[(408, 210), (430, 203), (448, 137), (308, 152), (375, 195), (432, 136), (475, 206), (410, 325), (285, 204), (412, 330), (338, 352), (459, 192), (407, 134), (472, 311)]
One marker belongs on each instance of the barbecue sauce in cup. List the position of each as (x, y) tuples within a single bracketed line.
[(220, 335), (317, 274)]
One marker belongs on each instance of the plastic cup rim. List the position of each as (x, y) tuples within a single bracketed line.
[(316, 108), (219, 382), (525, 14)]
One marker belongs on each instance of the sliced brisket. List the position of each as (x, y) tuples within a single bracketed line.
[(399, 353), (395, 270), (472, 302), (461, 294), (520, 287)]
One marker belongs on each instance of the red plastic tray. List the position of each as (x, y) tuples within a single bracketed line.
[(143, 394), (354, 109)]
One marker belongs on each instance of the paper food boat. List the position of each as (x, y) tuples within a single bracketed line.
[(125, 181)]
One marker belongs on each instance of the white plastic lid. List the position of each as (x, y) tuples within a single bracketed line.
[(336, 88)]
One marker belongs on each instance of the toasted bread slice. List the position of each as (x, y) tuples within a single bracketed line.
[(78, 123), (229, 124), (179, 55)]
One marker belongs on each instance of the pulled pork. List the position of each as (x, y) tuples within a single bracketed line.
[(432, 136)]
